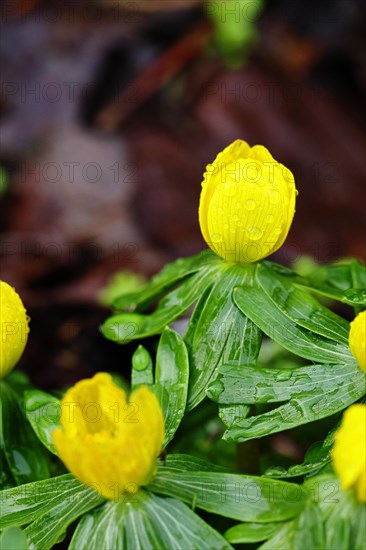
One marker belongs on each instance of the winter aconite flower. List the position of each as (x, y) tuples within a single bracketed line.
[(357, 339), (349, 451), (106, 442), (247, 203), (14, 328)]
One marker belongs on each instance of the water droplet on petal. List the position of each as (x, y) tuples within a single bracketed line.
[(239, 206), (216, 238), (269, 218), (277, 231), (229, 188), (235, 217), (254, 233), (274, 197), (250, 204)]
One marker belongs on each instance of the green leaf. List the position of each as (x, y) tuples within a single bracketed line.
[(299, 306), (358, 530), (282, 539), (358, 274), (43, 412), (251, 532), (124, 327), (305, 532), (337, 275), (100, 528), (120, 283), (172, 274), (18, 381), (13, 538), (343, 281), (317, 456), (245, 498), (25, 457), (264, 385), (171, 380), (231, 414), (219, 333), (26, 503), (6, 479), (145, 522), (142, 368), (3, 182), (312, 392), (47, 529), (309, 531), (234, 35), (260, 308), (179, 527), (186, 463), (343, 516)]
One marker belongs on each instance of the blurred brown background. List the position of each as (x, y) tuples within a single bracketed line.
[(110, 112)]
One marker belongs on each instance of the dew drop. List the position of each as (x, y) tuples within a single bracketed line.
[(235, 217), (274, 197), (275, 471), (216, 238), (269, 218), (141, 359), (261, 182), (355, 296), (250, 204), (215, 389), (277, 231), (254, 233), (229, 188), (238, 206)]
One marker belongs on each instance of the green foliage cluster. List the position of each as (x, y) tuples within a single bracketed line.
[(261, 355)]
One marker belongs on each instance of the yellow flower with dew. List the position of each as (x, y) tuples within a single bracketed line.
[(247, 203), (106, 442), (14, 328), (349, 451), (357, 339)]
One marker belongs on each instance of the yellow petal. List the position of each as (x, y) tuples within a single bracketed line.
[(247, 203), (349, 450), (357, 339), (106, 442), (14, 328), (237, 149)]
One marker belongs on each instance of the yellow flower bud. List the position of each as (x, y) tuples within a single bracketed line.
[(357, 339), (247, 203), (349, 451), (106, 442), (14, 328)]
